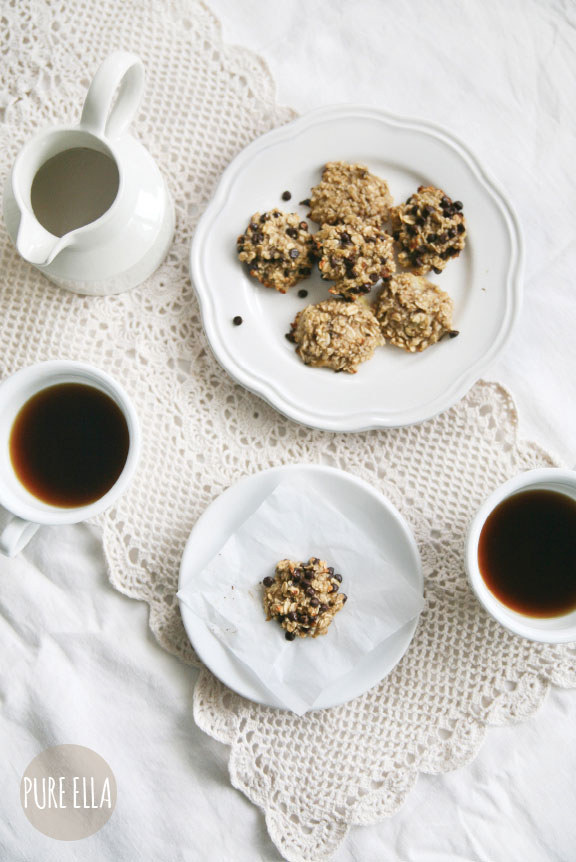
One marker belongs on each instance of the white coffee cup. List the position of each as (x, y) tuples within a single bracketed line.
[(21, 513), (557, 629)]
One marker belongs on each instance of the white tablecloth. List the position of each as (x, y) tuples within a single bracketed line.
[(78, 662)]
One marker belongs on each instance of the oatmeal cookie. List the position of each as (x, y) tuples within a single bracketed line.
[(277, 248), (335, 334), (413, 313), (347, 192), (355, 256), (430, 230), (303, 597)]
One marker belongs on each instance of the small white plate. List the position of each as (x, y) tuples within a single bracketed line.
[(385, 526), (394, 388)]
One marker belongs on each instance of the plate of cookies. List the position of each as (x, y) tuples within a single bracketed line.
[(357, 269)]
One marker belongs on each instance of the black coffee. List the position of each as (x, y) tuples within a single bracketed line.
[(527, 553), (69, 444)]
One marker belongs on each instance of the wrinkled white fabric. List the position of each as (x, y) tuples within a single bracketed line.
[(500, 76)]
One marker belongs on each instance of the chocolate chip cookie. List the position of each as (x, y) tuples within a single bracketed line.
[(430, 230), (277, 248), (335, 334), (303, 597), (349, 191), (355, 255), (414, 313)]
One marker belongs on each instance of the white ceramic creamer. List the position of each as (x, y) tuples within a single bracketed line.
[(87, 204)]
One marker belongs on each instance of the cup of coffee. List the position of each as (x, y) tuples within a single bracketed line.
[(521, 555), (69, 445)]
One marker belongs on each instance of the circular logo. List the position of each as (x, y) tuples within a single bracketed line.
[(68, 792)]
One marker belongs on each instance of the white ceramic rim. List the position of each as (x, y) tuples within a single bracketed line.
[(265, 386), (560, 629), (51, 373), (43, 144), (363, 681)]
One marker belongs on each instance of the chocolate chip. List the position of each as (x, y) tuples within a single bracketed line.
[(374, 277), (371, 239), (290, 636), (335, 588), (396, 235), (292, 616), (276, 215), (286, 196), (308, 574), (294, 253), (432, 237), (302, 293), (237, 320), (330, 570), (460, 228), (345, 238), (314, 602), (453, 333), (303, 225), (420, 221), (437, 270), (310, 592), (458, 205), (253, 226), (289, 336), (344, 597), (323, 609), (411, 230), (305, 202), (413, 211), (338, 577), (291, 231), (304, 619), (258, 238), (268, 582)]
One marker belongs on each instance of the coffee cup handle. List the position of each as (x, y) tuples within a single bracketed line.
[(15, 533), (114, 95)]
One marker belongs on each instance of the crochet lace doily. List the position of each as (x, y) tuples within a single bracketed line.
[(204, 102)]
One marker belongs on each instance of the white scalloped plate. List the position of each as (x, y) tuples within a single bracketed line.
[(394, 388)]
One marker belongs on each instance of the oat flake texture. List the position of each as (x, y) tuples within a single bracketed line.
[(204, 102)]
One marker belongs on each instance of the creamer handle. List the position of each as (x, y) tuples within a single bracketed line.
[(114, 95), (15, 533)]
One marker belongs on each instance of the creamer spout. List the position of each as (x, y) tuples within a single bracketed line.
[(36, 244)]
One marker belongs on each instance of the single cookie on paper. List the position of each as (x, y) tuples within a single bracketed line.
[(303, 597), (336, 334), (277, 248), (349, 191), (414, 313), (430, 230)]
